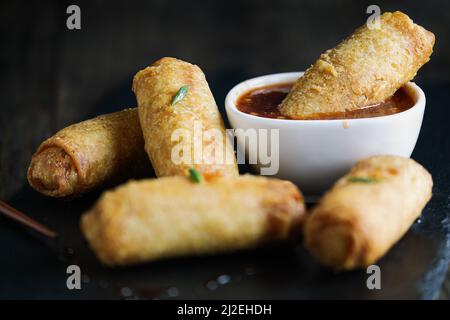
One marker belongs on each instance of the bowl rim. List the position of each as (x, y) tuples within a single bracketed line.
[(230, 105)]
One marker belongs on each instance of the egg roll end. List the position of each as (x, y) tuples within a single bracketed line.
[(339, 245), (53, 173)]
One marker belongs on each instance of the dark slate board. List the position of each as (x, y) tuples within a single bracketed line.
[(33, 267)]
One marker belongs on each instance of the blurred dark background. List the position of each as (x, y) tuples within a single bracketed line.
[(51, 76)]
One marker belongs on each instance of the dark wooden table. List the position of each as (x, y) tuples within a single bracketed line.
[(51, 76)]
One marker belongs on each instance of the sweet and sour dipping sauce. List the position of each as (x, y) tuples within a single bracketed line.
[(264, 102)]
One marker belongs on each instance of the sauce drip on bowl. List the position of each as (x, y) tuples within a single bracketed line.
[(264, 101)]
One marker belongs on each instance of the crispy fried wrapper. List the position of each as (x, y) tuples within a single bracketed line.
[(89, 154), (148, 220), (363, 70), (367, 212), (181, 123)]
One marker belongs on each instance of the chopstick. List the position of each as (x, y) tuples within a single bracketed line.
[(20, 217)]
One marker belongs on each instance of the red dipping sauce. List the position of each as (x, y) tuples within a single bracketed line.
[(264, 102)]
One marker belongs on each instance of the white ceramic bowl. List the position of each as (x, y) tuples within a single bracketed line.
[(315, 153)]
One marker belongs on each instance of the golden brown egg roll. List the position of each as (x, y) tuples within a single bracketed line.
[(89, 154), (365, 69), (147, 220), (161, 116), (367, 211)]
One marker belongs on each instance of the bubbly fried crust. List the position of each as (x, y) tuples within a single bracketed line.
[(364, 69), (88, 154), (155, 88), (167, 217), (367, 211)]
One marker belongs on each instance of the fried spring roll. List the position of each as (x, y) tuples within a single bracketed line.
[(89, 154), (367, 211), (364, 69), (176, 108), (172, 216)]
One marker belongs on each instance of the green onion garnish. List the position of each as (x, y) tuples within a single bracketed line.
[(363, 180), (195, 175), (180, 95)]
